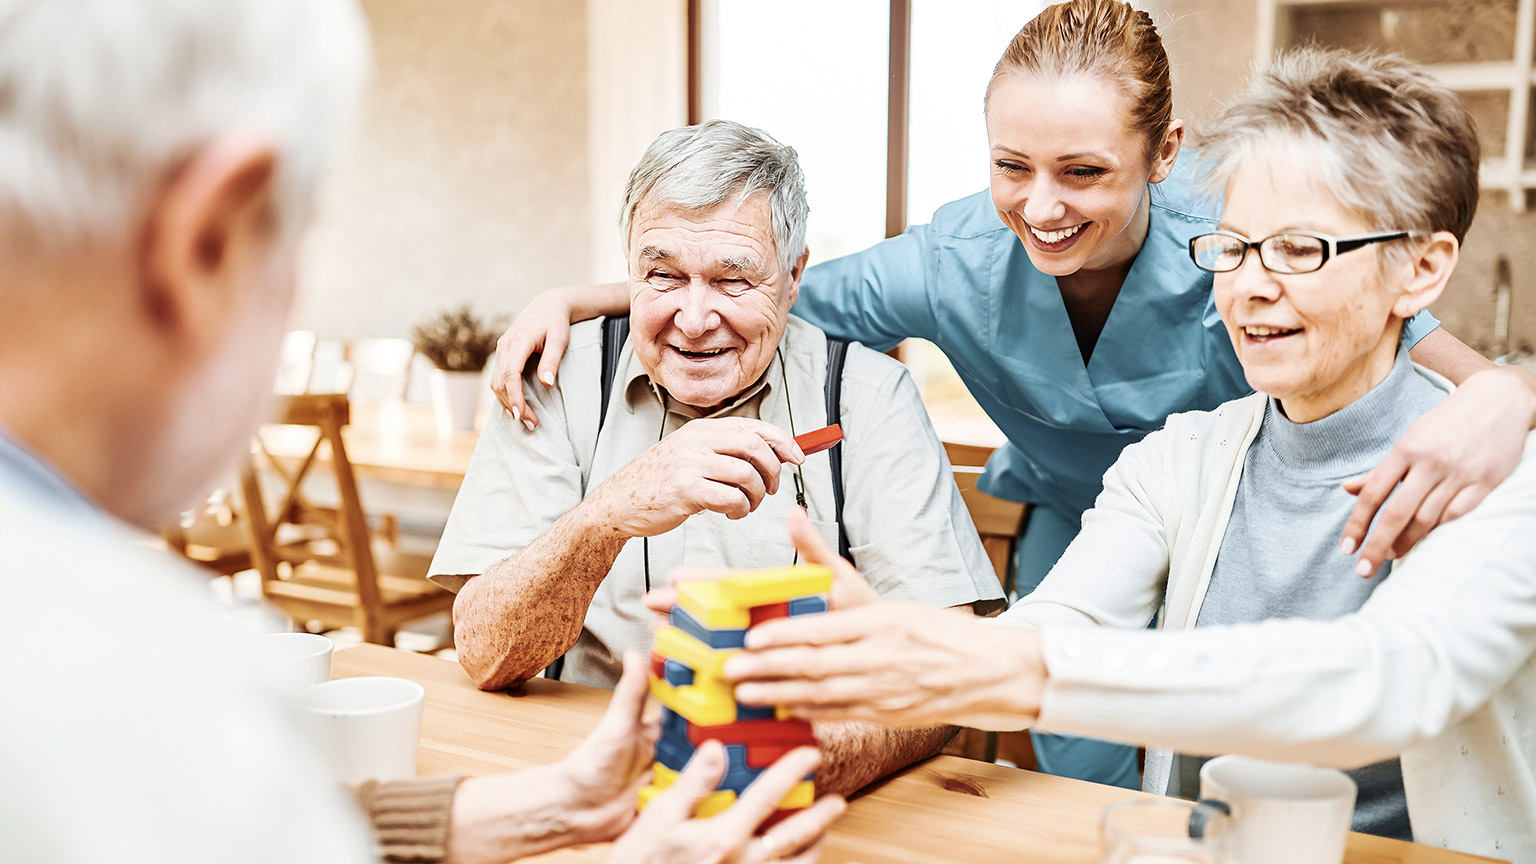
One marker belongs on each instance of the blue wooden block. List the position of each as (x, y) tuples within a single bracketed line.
[(672, 755), (673, 724), (713, 638), (812, 605), (677, 674), (754, 712)]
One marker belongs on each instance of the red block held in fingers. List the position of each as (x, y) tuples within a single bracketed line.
[(819, 440)]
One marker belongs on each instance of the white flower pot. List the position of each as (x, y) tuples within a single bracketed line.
[(456, 400)]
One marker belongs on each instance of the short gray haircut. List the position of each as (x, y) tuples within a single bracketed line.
[(102, 100), (1392, 143), (699, 167)]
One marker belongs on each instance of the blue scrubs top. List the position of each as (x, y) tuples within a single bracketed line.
[(965, 283)]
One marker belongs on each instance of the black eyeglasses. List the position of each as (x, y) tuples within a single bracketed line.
[(1290, 253)]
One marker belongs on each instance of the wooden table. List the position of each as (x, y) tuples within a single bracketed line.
[(944, 809), (388, 442)]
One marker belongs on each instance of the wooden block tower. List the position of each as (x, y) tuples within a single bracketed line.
[(708, 625)]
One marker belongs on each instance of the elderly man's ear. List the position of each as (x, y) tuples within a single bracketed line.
[(1429, 269), (208, 231), (795, 273)]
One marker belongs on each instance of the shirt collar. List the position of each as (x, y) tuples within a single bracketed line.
[(27, 475), (638, 386)]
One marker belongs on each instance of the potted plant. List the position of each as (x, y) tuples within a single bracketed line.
[(459, 343)]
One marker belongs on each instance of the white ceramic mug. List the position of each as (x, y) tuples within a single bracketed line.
[(369, 726), (294, 661), (1285, 813)]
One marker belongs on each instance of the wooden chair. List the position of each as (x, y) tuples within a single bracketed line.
[(296, 364), (212, 536), (999, 523), (380, 369), (316, 567)]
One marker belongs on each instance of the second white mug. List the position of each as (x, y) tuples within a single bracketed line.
[(369, 726), (1284, 813)]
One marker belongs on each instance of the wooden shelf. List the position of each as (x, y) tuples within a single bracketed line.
[(1507, 172)]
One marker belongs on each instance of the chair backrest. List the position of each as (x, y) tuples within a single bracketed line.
[(997, 521), (287, 534), (296, 363), (381, 369)]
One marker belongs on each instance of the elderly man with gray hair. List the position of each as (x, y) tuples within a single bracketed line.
[(677, 453)]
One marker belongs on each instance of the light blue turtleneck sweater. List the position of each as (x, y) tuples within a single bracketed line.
[(1280, 555)]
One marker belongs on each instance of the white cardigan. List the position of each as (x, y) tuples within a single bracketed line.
[(1437, 666)]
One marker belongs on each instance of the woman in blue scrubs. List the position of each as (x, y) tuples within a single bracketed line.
[(1066, 301)]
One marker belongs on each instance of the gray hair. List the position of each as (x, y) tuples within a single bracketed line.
[(1393, 144), (698, 167), (101, 100)]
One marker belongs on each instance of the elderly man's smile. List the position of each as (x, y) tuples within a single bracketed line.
[(701, 355)]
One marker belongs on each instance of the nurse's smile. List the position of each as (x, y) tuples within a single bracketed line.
[(1058, 240)]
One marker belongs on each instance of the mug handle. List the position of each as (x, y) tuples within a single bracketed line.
[(1198, 817)]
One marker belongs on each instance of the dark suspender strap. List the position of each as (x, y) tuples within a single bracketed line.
[(837, 352), (615, 331)]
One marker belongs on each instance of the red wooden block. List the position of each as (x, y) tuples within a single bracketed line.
[(788, 733), (820, 439), (775, 818), (658, 666), (763, 755), (759, 614)]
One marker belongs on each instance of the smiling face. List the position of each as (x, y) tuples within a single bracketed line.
[(708, 301), (1069, 173), (1315, 341)]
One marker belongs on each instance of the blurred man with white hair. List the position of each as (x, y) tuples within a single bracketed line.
[(157, 160)]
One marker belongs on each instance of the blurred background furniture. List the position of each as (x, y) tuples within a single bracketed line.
[(999, 523), (322, 564)]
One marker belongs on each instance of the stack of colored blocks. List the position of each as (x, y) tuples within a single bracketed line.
[(708, 625)]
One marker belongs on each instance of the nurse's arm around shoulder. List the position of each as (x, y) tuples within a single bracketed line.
[(1450, 459)]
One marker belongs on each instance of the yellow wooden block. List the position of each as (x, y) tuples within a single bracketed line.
[(715, 803), (662, 776), (707, 606), (646, 794), (674, 644), (709, 702), (776, 585), (723, 604), (803, 794)]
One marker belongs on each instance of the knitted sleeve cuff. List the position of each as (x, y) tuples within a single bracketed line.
[(410, 817)]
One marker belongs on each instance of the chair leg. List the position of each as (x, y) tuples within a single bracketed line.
[(378, 634)]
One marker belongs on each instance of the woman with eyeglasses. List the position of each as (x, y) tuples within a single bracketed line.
[(1350, 183), (1067, 303)]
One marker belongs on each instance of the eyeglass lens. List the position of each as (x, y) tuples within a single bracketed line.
[(1282, 253)]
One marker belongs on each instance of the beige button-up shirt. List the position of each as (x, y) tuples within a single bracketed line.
[(908, 530)]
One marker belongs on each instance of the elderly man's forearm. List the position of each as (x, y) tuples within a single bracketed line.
[(526, 611), (856, 754)]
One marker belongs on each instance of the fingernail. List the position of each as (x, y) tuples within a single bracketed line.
[(517, 413), (547, 378), (529, 424), (1348, 546), (1364, 568)]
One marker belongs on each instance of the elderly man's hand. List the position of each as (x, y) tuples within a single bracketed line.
[(895, 664), (726, 465)]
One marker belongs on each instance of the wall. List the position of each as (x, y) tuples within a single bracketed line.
[(467, 179), (1211, 47), (637, 89)]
